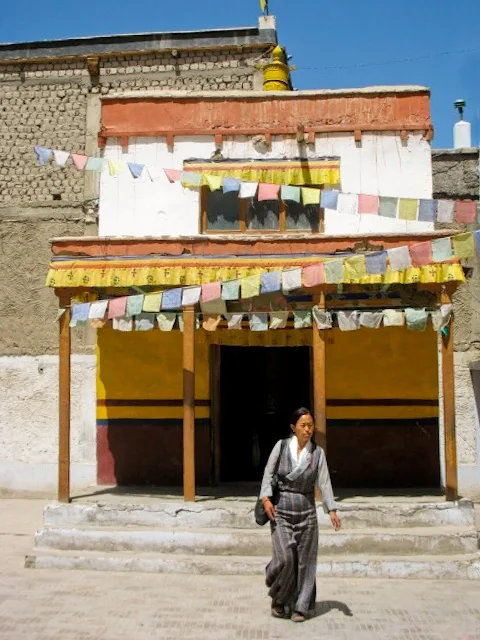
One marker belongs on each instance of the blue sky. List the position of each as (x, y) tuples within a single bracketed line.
[(333, 44)]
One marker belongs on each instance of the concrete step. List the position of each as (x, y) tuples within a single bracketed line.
[(238, 514), (461, 567), (256, 542)]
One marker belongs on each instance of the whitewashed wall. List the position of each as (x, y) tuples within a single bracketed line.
[(29, 424), (381, 165)]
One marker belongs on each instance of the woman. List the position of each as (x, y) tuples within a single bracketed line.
[(292, 571)]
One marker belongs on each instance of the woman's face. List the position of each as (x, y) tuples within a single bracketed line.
[(304, 428)]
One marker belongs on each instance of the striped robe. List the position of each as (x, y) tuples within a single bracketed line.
[(291, 574)]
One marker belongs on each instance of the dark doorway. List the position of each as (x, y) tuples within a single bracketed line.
[(259, 389)]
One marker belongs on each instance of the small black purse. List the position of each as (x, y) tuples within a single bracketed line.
[(261, 517)]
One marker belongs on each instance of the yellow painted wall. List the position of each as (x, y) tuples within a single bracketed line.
[(390, 362), (147, 365)]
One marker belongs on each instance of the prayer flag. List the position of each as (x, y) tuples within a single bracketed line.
[(231, 290), (95, 164), (171, 299), (476, 236), (310, 196), (115, 167), (214, 183), (234, 320), (250, 286), (387, 207), (211, 291), (166, 320), (445, 210), (173, 175), (347, 204), (393, 318), (290, 193), (292, 279), (144, 321), (421, 253), (416, 319), (371, 319), (135, 169), (302, 319), (61, 157), (271, 281), (43, 154), (376, 263), (116, 307), (191, 179), (334, 271), (278, 319), (79, 161), (152, 302), (348, 320), (190, 295), (215, 307), (268, 191), (323, 319), (367, 204), (407, 209), (211, 321), (466, 211), (441, 317), (98, 310), (123, 324), (259, 321), (463, 245), (248, 189), (441, 249), (134, 305), (181, 322), (314, 274), (329, 199), (356, 267), (427, 210), (154, 172), (230, 184), (79, 313), (399, 258)]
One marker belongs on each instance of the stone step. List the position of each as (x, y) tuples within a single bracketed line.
[(238, 514), (419, 567), (256, 542)]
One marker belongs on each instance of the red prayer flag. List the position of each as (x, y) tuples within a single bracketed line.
[(466, 211), (173, 174), (367, 204), (313, 275), (79, 161), (116, 307), (268, 191), (211, 291), (421, 253)]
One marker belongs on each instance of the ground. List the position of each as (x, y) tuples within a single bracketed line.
[(81, 605)]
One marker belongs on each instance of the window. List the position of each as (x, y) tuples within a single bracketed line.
[(226, 213)]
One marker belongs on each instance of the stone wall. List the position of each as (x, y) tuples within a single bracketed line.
[(456, 175)]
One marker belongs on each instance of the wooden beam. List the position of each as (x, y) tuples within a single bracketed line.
[(448, 383), (189, 403), (319, 387), (64, 402)]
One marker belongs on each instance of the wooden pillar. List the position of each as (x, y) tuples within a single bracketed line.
[(448, 383), (189, 403), (319, 387), (64, 402), (215, 410)]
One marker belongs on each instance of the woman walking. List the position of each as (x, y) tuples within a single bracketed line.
[(291, 574)]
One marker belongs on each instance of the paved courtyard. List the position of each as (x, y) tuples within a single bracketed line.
[(80, 605)]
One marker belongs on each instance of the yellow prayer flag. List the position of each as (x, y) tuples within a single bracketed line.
[(115, 167), (356, 267), (152, 302), (263, 5), (310, 196), (213, 182), (463, 245), (407, 209), (250, 287)]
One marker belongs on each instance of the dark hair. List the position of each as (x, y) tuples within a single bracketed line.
[(298, 413)]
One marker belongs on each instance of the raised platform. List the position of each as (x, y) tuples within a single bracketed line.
[(422, 537)]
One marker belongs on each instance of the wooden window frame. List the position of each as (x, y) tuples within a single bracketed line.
[(243, 220)]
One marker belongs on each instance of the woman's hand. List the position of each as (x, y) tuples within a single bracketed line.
[(336, 522), (269, 509)]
